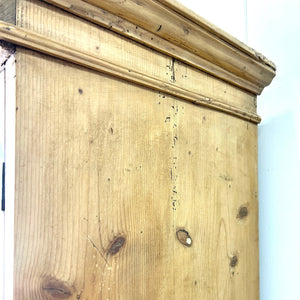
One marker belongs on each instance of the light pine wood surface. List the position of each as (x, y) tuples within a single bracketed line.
[(136, 153), (107, 172)]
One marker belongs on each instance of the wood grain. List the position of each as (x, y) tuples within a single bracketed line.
[(105, 179)]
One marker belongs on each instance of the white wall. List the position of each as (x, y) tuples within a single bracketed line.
[(274, 30), (228, 15)]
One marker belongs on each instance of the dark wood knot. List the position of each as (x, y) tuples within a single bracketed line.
[(56, 289), (184, 238), (116, 245), (243, 212)]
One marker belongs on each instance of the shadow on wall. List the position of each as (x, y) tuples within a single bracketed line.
[(279, 207)]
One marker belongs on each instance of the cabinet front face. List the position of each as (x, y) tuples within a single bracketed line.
[(123, 192)]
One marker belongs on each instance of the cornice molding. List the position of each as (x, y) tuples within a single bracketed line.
[(31, 40), (197, 42)]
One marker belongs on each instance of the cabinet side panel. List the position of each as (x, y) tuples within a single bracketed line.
[(107, 172)]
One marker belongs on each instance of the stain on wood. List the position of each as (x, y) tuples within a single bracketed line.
[(55, 289)]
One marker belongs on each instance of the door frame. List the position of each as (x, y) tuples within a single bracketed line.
[(7, 216)]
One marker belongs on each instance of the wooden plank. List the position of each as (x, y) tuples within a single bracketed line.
[(37, 42), (130, 30), (216, 183), (8, 11), (108, 171), (96, 168)]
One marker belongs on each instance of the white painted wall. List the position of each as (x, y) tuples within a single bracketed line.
[(274, 30), (228, 15)]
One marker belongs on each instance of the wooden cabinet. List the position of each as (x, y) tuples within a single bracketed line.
[(135, 153)]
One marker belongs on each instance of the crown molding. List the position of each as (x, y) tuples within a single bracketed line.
[(168, 27), (31, 40)]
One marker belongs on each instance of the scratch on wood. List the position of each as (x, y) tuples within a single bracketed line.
[(226, 178), (93, 244)]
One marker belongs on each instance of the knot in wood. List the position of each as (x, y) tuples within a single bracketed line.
[(116, 245), (184, 237), (243, 212)]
